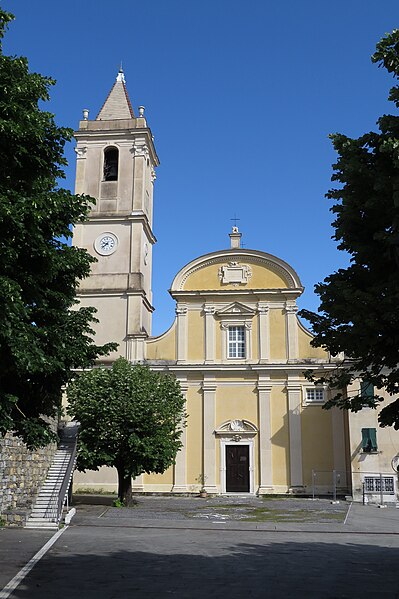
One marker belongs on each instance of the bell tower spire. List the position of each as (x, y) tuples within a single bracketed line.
[(116, 161)]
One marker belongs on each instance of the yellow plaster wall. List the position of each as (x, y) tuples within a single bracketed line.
[(317, 444), (194, 434), (196, 349), (159, 479), (278, 350), (164, 347), (279, 436), (207, 277), (236, 402), (305, 349)]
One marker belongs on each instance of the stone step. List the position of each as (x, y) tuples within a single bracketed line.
[(41, 524)]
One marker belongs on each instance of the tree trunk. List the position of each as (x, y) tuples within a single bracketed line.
[(124, 487)]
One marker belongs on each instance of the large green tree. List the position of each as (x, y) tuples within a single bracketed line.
[(359, 308), (131, 418), (42, 334)]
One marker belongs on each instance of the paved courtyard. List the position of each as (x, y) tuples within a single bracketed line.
[(193, 548)]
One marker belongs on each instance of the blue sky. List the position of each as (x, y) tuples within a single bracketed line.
[(240, 96)]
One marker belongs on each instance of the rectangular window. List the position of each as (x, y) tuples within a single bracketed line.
[(315, 395), (236, 342), (366, 389), (372, 484), (369, 440)]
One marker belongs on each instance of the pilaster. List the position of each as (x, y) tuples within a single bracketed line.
[(180, 468), (292, 330), (182, 333), (209, 425), (265, 443), (209, 312), (264, 332), (295, 436)]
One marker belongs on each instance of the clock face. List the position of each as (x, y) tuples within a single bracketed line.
[(106, 244)]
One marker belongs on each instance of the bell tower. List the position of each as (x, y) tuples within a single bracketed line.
[(116, 161)]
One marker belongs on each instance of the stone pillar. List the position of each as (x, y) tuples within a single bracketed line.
[(180, 468), (292, 330), (295, 436), (264, 332), (181, 333), (209, 312), (265, 443), (209, 442)]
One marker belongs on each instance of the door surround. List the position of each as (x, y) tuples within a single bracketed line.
[(237, 432)]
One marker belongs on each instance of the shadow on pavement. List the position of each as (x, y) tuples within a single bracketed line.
[(225, 569)]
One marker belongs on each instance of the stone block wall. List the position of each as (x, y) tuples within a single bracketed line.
[(22, 472)]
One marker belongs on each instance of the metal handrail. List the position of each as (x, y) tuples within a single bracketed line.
[(63, 494)]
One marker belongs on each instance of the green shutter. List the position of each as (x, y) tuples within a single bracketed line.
[(369, 439), (366, 389), (373, 437)]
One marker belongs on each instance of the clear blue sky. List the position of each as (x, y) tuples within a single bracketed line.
[(240, 96)]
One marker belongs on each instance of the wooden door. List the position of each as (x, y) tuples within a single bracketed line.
[(237, 468)]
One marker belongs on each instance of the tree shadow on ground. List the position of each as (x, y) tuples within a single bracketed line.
[(230, 569)]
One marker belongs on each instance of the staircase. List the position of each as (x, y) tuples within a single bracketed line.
[(48, 507)]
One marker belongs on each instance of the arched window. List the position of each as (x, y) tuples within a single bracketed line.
[(111, 158)]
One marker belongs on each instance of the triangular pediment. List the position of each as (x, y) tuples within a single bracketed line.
[(236, 309)]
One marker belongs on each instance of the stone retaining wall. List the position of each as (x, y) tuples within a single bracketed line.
[(22, 472)]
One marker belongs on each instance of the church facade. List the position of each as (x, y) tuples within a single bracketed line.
[(255, 424)]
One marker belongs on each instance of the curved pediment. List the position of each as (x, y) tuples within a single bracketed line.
[(238, 269)]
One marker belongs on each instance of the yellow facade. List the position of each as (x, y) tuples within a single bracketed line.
[(240, 352)]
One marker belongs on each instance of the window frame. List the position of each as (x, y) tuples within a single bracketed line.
[(236, 343), (316, 389)]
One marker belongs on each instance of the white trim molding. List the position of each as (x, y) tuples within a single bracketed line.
[(237, 432)]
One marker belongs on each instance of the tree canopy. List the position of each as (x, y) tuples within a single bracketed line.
[(131, 418), (358, 312), (43, 335)]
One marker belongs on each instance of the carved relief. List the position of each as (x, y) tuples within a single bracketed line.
[(81, 152), (235, 273), (140, 149)]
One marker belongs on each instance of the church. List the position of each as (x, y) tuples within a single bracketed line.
[(255, 423)]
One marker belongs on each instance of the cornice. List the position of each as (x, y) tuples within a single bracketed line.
[(240, 255), (137, 216)]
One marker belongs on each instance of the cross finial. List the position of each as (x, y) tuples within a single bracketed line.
[(235, 219)]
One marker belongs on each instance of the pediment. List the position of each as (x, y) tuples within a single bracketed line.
[(236, 309), (237, 428)]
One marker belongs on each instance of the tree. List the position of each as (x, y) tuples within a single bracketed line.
[(42, 334), (358, 313), (131, 418)]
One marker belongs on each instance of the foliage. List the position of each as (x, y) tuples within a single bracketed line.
[(358, 313), (131, 418), (42, 335)]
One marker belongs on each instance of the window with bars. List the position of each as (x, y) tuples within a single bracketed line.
[(236, 342), (372, 484), (314, 395)]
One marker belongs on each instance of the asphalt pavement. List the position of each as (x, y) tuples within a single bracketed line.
[(171, 547)]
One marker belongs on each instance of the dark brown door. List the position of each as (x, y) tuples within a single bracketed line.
[(237, 468)]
